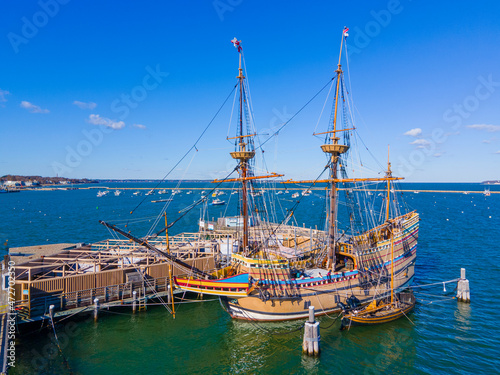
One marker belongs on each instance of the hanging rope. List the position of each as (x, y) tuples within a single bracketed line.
[(193, 147), (296, 113), (59, 346)]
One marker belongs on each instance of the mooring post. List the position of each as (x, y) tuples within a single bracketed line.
[(463, 291), (134, 301), (96, 309), (310, 344), (51, 312), (168, 294)]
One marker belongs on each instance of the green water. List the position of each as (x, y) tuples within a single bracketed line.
[(456, 230)]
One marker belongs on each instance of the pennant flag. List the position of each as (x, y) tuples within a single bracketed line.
[(236, 44), (346, 29)]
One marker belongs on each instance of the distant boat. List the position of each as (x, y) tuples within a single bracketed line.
[(137, 193), (162, 191), (217, 202), (306, 193), (416, 192), (279, 192), (117, 193), (487, 192), (295, 195), (151, 192), (189, 192), (162, 200), (102, 193)]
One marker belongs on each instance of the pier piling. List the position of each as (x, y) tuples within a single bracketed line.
[(310, 344), (51, 312), (134, 301), (96, 309), (463, 291)]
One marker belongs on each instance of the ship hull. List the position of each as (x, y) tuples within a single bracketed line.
[(326, 298), (370, 279)]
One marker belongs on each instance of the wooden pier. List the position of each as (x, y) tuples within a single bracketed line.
[(113, 271)]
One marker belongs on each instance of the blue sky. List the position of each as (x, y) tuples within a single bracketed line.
[(122, 90)]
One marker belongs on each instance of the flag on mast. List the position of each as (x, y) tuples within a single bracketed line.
[(346, 29), (236, 44)]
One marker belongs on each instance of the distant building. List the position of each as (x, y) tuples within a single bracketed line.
[(12, 183)]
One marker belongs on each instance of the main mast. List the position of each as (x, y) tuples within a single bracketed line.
[(242, 154), (335, 150)]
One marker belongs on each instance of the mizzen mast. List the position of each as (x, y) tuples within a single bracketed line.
[(334, 149)]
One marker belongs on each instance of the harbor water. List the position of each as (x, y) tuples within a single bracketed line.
[(441, 336)]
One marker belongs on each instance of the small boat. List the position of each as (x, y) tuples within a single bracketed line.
[(137, 193), (416, 192), (217, 202), (189, 192), (162, 200), (487, 192), (151, 192), (306, 193), (295, 195), (117, 193), (162, 191), (279, 192), (102, 193), (378, 312)]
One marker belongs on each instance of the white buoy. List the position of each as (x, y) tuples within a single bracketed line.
[(463, 291), (310, 344)]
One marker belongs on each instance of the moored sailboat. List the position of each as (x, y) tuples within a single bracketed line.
[(337, 267), (353, 267)]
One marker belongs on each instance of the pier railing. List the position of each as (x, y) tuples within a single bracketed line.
[(117, 295)]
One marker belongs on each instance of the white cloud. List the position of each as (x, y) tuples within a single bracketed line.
[(83, 105), (140, 126), (33, 108), (498, 152), (486, 141), (414, 132), (488, 128), (98, 120), (3, 94), (420, 142), (437, 155)]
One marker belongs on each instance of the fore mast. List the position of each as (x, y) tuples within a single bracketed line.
[(334, 149)]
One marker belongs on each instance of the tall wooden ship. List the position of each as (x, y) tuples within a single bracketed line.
[(267, 283)]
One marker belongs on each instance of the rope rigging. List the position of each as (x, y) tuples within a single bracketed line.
[(193, 147)]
